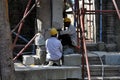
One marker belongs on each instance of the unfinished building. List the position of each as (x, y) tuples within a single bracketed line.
[(97, 26)]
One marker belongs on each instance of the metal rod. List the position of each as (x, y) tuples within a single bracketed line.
[(79, 34), (24, 48), (84, 47), (95, 11), (89, 21), (104, 11), (84, 54), (118, 12), (21, 37), (83, 2), (100, 21), (77, 14)]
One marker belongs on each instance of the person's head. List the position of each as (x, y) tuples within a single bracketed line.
[(53, 32), (67, 22)]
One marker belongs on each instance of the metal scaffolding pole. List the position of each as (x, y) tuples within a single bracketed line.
[(83, 43), (84, 53), (89, 21), (103, 11), (100, 21), (77, 22), (116, 7)]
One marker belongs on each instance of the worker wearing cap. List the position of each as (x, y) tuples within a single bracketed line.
[(53, 48), (71, 31)]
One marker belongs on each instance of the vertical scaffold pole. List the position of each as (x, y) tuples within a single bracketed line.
[(84, 49), (101, 21)]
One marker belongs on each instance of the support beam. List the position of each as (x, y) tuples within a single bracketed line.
[(116, 7)]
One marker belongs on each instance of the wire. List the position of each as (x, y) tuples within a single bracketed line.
[(101, 63)]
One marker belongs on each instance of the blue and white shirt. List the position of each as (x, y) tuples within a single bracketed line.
[(53, 48)]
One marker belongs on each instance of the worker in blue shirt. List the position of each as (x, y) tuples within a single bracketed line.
[(53, 48)]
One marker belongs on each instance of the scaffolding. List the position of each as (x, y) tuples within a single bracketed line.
[(79, 18), (19, 27)]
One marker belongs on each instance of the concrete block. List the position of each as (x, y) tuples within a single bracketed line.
[(112, 59), (28, 59), (72, 60), (31, 59)]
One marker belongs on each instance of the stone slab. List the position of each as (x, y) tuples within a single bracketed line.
[(47, 72), (112, 59), (72, 60)]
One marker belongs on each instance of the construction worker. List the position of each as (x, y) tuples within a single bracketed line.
[(53, 48), (69, 33)]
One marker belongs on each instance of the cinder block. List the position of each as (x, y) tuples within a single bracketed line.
[(72, 60), (28, 59)]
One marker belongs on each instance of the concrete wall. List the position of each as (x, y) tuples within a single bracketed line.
[(47, 73), (43, 16), (57, 13), (49, 14)]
